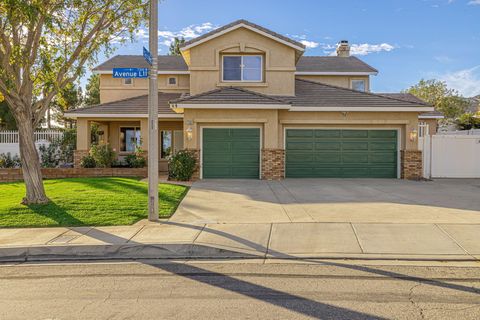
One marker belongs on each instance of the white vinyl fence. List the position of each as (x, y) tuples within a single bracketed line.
[(9, 140), (451, 156)]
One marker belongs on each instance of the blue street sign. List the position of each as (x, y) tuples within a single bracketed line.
[(147, 56), (130, 72)]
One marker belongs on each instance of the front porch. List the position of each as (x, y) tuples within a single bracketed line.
[(123, 135)]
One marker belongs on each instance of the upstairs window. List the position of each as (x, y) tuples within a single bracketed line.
[(172, 81), (128, 81), (358, 85), (247, 68)]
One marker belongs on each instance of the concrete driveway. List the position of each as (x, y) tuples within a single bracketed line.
[(332, 200)]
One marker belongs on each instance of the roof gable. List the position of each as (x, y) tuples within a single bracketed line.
[(243, 24)]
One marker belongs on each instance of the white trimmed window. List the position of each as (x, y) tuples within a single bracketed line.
[(242, 68), (358, 84), (172, 81), (127, 81)]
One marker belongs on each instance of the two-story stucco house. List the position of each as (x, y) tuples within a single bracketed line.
[(250, 105)]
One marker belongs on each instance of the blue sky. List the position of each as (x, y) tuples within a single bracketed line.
[(405, 40)]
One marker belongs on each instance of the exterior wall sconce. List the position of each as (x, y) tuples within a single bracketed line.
[(413, 135), (189, 132)]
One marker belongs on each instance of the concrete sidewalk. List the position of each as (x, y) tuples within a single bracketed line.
[(449, 242)]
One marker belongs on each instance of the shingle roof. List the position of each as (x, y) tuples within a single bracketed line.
[(136, 105), (305, 64), (315, 94), (165, 63), (230, 95), (245, 22), (332, 64)]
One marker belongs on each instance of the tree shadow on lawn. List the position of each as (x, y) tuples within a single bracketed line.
[(56, 213)]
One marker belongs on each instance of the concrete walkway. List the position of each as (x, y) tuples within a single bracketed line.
[(266, 240), (448, 201)]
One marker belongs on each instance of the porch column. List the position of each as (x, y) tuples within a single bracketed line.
[(273, 155), (83, 141)]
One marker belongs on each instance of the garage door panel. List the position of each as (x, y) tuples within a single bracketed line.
[(328, 133), (358, 158), (245, 146), (217, 158), (329, 157), (216, 134), (382, 133), (383, 145), (355, 133), (342, 153), (297, 145), (300, 157), (383, 158), (328, 145), (301, 133), (231, 153), (218, 146), (245, 134), (354, 145)]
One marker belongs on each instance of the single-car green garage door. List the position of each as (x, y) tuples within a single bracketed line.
[(231, 153), (341, 153)]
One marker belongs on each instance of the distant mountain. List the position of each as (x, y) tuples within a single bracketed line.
[(474, 104)]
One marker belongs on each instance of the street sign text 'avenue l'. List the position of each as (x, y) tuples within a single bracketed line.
[(130, 72)]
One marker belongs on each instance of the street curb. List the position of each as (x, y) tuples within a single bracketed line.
[(189, 251)]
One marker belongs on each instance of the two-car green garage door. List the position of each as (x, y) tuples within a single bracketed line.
[(341, 153), (310, 153)]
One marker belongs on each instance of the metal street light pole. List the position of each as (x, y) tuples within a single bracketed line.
[(153, 115)]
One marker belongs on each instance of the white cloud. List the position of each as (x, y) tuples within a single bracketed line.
[(192, 31), (474, 3), (466, 81), (309, 44), (303, 40), (443, 59), (366, 48)]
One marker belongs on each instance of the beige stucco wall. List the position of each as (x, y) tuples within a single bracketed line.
[(279, 62), (274, 122), (432, 125), (113, 89), (339, 81)]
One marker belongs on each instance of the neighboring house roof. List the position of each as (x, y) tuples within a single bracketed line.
[(306, 64), (128, 108), (231, 96), (329, 65), (323, 97), (238, 24), (165, 63), (432, 115)]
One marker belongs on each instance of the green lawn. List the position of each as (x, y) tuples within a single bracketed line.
[(86, 202)]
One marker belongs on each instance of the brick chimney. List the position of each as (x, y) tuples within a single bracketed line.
[(343, 49)]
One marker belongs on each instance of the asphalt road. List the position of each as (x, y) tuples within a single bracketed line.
[(237, 290)]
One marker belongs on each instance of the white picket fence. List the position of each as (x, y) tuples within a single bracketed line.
[(450, 155), (9, 140)]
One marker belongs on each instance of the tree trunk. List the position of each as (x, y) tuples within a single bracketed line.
[(32, 173), (49, 126)]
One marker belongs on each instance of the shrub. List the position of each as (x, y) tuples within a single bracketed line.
[(59, 152), (182, 165), (88, 162), (7, 161), (135, 161), (50, 155), (468, 121), (103, 155)]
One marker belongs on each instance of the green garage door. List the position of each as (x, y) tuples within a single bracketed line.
[(231, 153), (341, 153)]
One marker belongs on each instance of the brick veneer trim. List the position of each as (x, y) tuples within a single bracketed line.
[(273, 164), (411, 164)]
